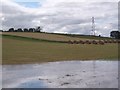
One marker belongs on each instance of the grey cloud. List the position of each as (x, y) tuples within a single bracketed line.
[(71, 17)]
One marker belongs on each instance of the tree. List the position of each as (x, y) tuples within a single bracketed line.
[(1, 30), (115, 34), (15, 30), (38, 29), (11, 30), (19, 30), (31, 29), (25, 30)]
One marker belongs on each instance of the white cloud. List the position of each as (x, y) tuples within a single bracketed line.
[(69, 16)]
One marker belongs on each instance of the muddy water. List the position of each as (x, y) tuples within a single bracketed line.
[(65, 74)]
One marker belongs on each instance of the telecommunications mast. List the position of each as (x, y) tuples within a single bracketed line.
[(93, 26)]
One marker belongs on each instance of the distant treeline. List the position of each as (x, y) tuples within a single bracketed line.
[(113, 34), (38, 29)]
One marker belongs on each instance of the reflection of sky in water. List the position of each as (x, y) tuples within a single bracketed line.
[(32, 83), (0, 77), (83, 74)]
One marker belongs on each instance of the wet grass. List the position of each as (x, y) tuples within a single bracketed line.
[(19, 50)]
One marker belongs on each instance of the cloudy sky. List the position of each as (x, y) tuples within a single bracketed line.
[(61, 16)]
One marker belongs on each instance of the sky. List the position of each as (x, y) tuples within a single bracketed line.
[(61, 16)]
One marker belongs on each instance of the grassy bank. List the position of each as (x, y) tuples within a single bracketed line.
[(56, 36), (18, 50), (30, 39), (45, 36)]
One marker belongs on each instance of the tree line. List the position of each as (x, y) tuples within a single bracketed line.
[(38, 29), (113, 34)]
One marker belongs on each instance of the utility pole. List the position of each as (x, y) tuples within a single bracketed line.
[(93, 26)]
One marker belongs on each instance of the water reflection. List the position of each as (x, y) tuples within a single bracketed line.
[(66, 74)]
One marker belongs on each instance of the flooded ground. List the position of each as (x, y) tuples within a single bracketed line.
[(65, 74)]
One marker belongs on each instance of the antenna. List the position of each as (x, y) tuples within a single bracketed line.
[(93, 26)]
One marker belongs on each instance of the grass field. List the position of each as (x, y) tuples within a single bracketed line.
[(55, 37), (18, 50), (45, 36)]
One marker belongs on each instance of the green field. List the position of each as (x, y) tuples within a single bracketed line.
[(21, 50), (45, 36)]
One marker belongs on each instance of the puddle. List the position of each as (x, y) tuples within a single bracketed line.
[(64, 74)]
